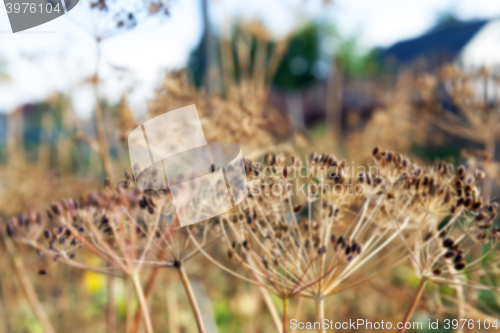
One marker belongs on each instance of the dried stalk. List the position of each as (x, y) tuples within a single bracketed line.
[(413, 304), (298, 309), (99, 122), (147, 292), (272, 309), (192, 299), (27, 286), (285, 310), (320, 313), (142, 302)]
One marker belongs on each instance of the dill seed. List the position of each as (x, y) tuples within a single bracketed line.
[(480, 217), (449, 254), (448, 242), (10, 231), (460, 266), (332, 238), (461, 171), (354, 247), (476, 205), (458, 258), (342, 242)]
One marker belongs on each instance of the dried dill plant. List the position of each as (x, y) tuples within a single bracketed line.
[(234, 104), (130, 229), (118, 225), (176, 247), (218, 113), (448, 220), (106, 19), (312, 244), (463, 104)]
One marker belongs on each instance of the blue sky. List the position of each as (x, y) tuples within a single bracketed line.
[(59, 55)]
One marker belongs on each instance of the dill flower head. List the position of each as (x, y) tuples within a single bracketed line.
[(310, 229), (25, 228), (120, 225), (446, 219)]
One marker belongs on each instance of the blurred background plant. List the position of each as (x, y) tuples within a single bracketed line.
[(289, 78)]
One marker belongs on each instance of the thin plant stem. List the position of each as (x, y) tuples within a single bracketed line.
[(147, 292), (285, 310), (142, 302), (272, 309), (413, 304), (488, 183), (129, 305), (320, 313), (298, 309), (27, 286), (192, 299), (99, 122)]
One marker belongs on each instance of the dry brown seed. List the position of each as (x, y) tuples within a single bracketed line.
[(448, 242)]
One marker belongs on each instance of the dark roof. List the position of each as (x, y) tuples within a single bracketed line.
[(447, 41)]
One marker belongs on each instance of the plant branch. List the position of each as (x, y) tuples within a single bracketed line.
[(142, 302), (192, 299), (26, 285), (413, 304)]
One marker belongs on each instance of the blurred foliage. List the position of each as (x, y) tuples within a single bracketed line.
[(304, 62), (296, 70)]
